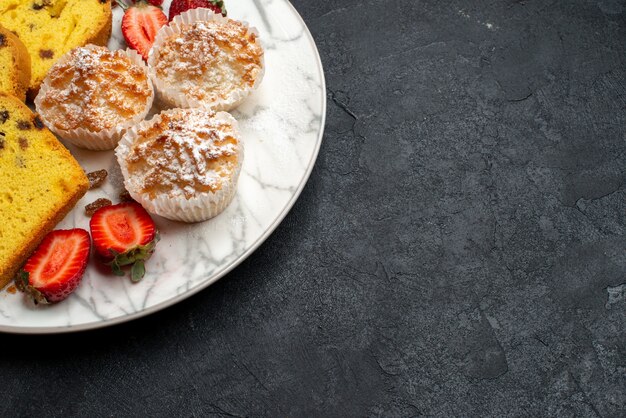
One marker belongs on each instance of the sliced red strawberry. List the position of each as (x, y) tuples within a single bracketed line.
[(179, 6), (140, 24), (56, 267), (152, 2), (124, 235)]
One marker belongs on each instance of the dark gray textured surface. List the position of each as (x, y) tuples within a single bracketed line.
[(458, 251)]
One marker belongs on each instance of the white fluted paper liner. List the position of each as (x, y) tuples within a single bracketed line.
[(105, 139), (199, 208), (169, 95)]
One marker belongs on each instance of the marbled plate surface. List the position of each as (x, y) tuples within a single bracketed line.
[(281, 124)]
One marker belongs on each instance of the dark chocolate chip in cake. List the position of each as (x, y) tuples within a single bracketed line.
[(23, 143), (3, 40), (1, 143), (4, 116), (37, 6)]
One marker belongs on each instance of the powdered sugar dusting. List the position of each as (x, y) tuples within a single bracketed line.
[(183, 153), (95, 89), (208, 61), (281, 123)]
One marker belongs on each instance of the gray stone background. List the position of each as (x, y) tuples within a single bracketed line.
[(458, 251)]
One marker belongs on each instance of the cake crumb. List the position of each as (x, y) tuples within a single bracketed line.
[(12, 289)]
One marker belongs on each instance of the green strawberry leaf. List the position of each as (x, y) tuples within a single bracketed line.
[(37, 296), (137, 271), (21, 280), (22, 283), (135, 258), (116, 269)]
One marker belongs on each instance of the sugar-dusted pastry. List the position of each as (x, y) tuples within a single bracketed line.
[(203, 59), (92, 95), (183, 164)]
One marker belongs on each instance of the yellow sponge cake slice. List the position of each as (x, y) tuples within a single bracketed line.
[(14, 65), (50, 28), (40, 182)]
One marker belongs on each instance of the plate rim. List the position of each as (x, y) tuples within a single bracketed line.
[(233, 264)]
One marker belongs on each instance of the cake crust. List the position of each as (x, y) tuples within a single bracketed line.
[(40, 181), (16, 75)]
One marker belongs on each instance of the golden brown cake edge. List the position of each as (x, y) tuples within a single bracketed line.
[(21, 255), (23, 63)]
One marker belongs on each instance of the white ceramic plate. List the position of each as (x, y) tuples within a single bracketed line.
[(282, 125)]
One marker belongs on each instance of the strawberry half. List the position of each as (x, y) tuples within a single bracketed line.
[(152, 2), (124, 235), (56, 267), (179, 6), (140, 24)]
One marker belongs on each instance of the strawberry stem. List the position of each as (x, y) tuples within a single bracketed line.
[(134, 257), (123, 4), (22, 280), (22, 283), (220, 4)]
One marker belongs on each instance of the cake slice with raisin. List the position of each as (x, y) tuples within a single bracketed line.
[(14, 65), (50, 28), (40, 182)]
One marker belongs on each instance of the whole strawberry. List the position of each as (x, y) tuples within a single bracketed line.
[(140, 24), (179, 6), (56, 267), (124, 235)]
